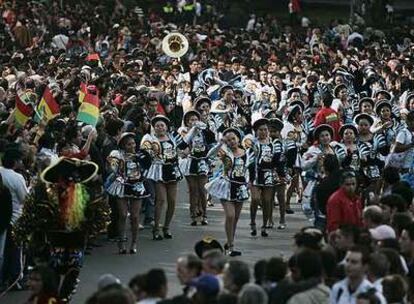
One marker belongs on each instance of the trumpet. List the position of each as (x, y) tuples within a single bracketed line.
[(175, 45)]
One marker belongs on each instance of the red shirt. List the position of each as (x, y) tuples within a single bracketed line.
[(330, 117), (341, 209)]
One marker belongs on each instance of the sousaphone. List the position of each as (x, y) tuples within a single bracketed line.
[(175, 45)]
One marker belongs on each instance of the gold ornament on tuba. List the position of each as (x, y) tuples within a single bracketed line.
[(175, 45)]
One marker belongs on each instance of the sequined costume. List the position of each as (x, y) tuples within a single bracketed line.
[(164, 167), (231, 185), (126, 179), (198, 141)]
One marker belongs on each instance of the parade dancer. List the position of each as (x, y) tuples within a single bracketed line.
[(195, 166), (164, 171), (231, 187), (126, 183), (281, 178)]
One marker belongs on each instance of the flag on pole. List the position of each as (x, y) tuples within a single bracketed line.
[(82, 92), (94, 60), (89, 110), (23, 112), (47, 106)]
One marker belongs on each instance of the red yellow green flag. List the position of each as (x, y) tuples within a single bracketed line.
[(47, 106), (22, 113), (82, 92), (89, 110)]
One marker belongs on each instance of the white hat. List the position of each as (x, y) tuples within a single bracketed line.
[(382, 232)]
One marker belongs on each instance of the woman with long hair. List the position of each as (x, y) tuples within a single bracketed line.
[(195, 166), (231, 186), (164, 171), (126, 183)]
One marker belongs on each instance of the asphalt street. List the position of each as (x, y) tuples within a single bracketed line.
[(155, 254)]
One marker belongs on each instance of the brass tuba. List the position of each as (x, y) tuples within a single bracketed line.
[(175, 45)]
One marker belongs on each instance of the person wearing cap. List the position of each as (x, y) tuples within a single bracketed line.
[(126, 183), (164, 170), (262, 174), (369, 147), (366, 105), (314, 157), (342, 103), (349, 136), (195, 166), (207, 288), (231, 186), (386, 124), (275, 127)]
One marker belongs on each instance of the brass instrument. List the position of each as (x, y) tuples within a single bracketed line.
[(175, 45)]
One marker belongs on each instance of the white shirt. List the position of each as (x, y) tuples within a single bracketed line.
[(340, 293), (149, 301), (16, 183), (405, 137)]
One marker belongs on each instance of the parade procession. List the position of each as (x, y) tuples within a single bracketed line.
[(245, 152)]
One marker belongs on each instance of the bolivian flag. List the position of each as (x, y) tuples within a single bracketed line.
[(82, 92), (22, 113), (47, 106), (89, 110), (94, 60)]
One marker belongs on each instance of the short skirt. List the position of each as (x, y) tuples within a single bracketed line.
[(264, 178), (120, 188), (194, 166), (165, 173), (224, 189)]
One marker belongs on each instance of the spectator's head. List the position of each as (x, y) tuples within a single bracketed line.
[(390, 204), (276, 270), (213, 262), (407, 241), (329, 263), (11, 158), (394, 289), (309, 237), (347, 236), (378, 266), (394, 258), (236, 274), (372, 216), (403, 189), (349, 183), (356, 260), (252, 294), (43, 280), (260, 271), (114, 127), (410, 120), (156, 284), (308, 264), (107, 280), (400, 221), (137, 285), (207, 288), (73, 135), (188, 268), (114, 294), (327, 100)]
